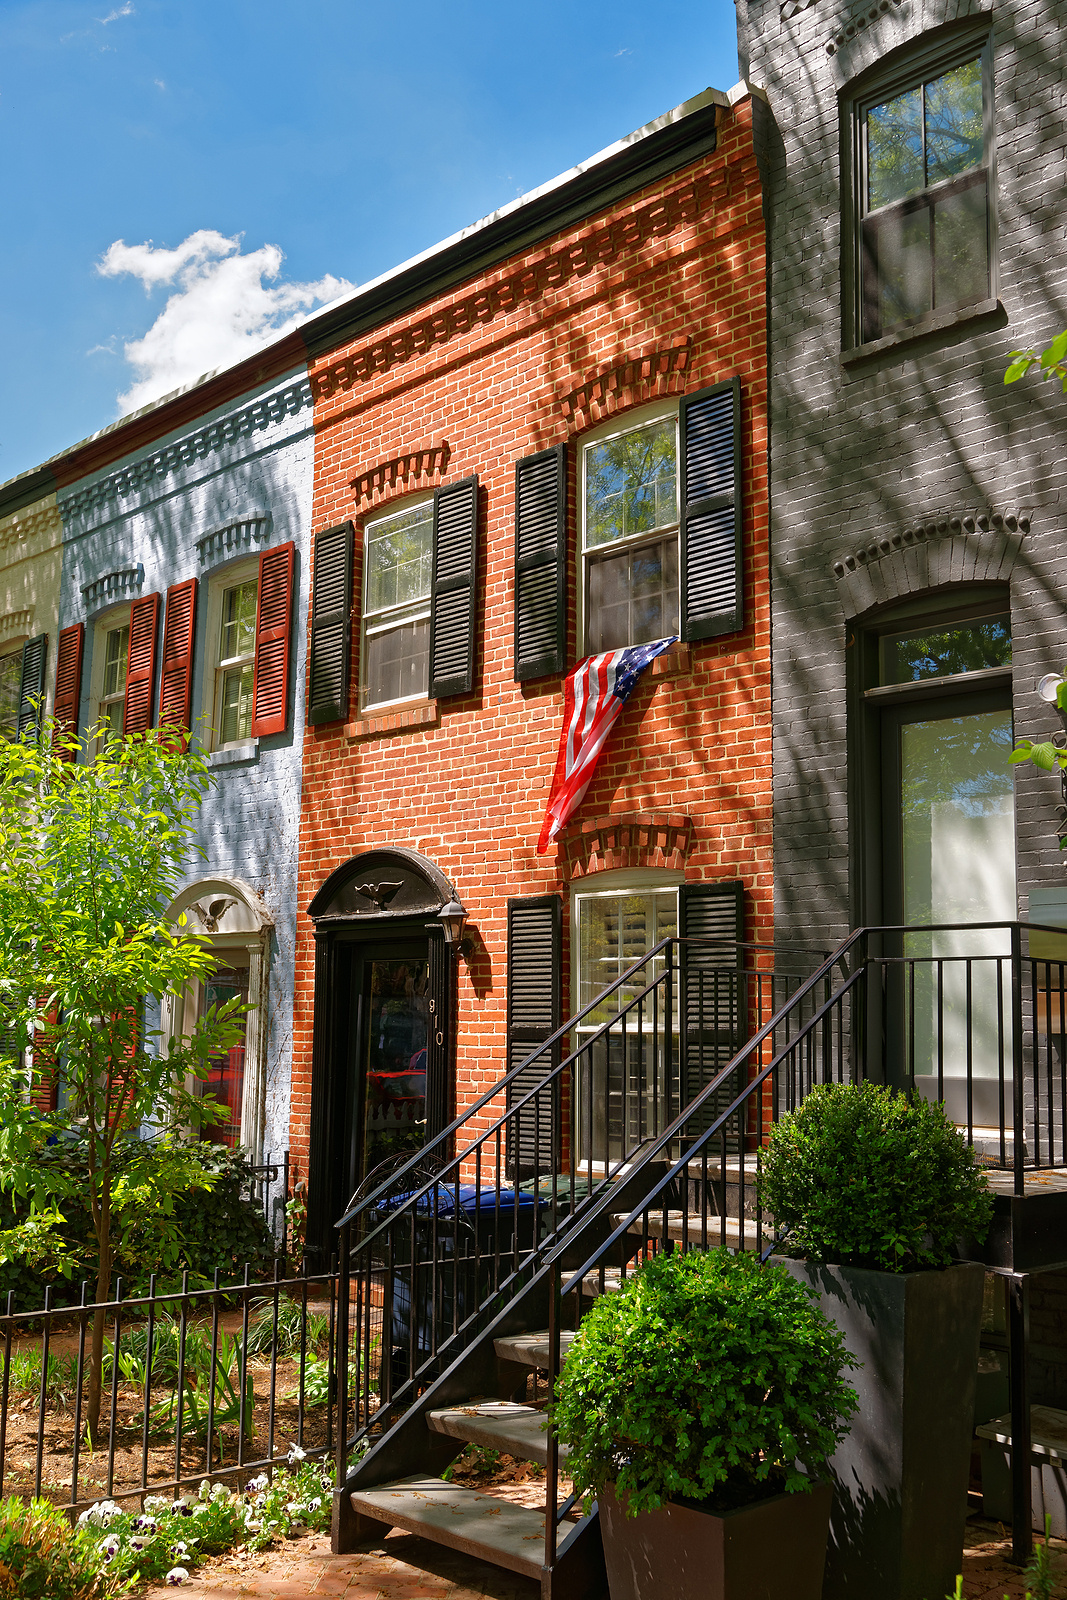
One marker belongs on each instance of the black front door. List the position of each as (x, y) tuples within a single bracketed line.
[(389, 1054)]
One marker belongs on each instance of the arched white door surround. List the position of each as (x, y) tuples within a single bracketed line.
[(230, 916)]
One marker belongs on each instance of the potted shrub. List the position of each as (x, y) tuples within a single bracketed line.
[(699, 1404), (877, 1189)]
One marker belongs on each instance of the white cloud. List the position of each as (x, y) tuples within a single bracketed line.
[(123, 11), (225, 305)]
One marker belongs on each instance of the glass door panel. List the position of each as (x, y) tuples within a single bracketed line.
[(957, 865), (393, 1117), (627, 1089)]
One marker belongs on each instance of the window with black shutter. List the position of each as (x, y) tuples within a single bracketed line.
[(540, 563), (455, 559), (714, 1008), (535, 983), (31, 689), (331, 604), (661, 523), (711, 560)]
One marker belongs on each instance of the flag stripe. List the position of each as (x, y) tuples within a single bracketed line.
[(594, 694)]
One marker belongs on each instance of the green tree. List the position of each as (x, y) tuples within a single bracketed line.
[(95, 836)]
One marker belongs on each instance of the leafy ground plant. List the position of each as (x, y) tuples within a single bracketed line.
[(168, 1538), (61, 1384), (865, 1177), (42, 1556)]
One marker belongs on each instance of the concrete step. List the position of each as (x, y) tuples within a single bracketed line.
[(481, 1525), (531, 1349), (680, 1226), (517, 1430)]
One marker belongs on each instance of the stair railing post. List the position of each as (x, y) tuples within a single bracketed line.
[(1022, 1539), (552, 1459), (1019, 1131), (672, 1097), (341, 1347)]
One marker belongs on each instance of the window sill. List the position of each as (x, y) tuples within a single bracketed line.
[(940, 322), (677, 662), (420, 716), (233, 754)]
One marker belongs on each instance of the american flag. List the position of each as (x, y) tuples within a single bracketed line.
[(593, 695)]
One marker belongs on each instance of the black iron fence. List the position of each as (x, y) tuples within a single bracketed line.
[(214, 1382)]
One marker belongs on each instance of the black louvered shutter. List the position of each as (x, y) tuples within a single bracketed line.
[(541, 563), (455, 554), (535, 944), (712, 565), (714, 997), (31, 689), (331, 606)]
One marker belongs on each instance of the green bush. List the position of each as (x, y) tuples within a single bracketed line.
[(42, 1556), (866, 1177), (707, 1376), (217, 1228)]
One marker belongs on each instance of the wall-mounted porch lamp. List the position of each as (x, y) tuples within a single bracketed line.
[(452, 918)]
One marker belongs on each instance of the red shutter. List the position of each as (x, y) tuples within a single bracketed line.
[(270, 686), (69, 683), (141, 674), (176, 685)]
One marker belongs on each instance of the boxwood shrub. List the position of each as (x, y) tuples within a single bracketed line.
[(865, 1176), (706, 1377)]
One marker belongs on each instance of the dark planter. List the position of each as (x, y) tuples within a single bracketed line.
[(774, 1549), (901, 1473)]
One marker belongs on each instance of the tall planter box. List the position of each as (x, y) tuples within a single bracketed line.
[(900, 1476), (773, 1549)]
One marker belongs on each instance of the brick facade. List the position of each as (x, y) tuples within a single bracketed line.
[(657, 294)]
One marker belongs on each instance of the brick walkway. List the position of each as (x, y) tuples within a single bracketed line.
[(403, 1567)]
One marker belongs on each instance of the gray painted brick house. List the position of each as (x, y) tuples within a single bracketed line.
[(915, 166)]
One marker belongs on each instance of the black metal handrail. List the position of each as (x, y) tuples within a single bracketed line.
[(688, 1205), (432, 1253)]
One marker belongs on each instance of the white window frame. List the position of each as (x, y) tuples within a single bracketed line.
[(249, 944), (232, 576), (12, 651), (394, 508), (118, 617), (603, 886), (639, 417), (613, 885)]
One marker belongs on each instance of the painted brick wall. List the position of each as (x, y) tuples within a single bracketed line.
[(252, 459), (493, 368), (920, 434)]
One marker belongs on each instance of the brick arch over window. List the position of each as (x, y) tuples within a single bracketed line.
[(963, 547), (653, 839)]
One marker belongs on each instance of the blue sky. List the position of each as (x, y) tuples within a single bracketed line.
[(345, 135)]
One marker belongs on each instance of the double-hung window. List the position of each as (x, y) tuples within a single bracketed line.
[(234, 673), (630, 532), (659, 546), (10, 693), (398, 572), (924, 147), (115, 644)]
